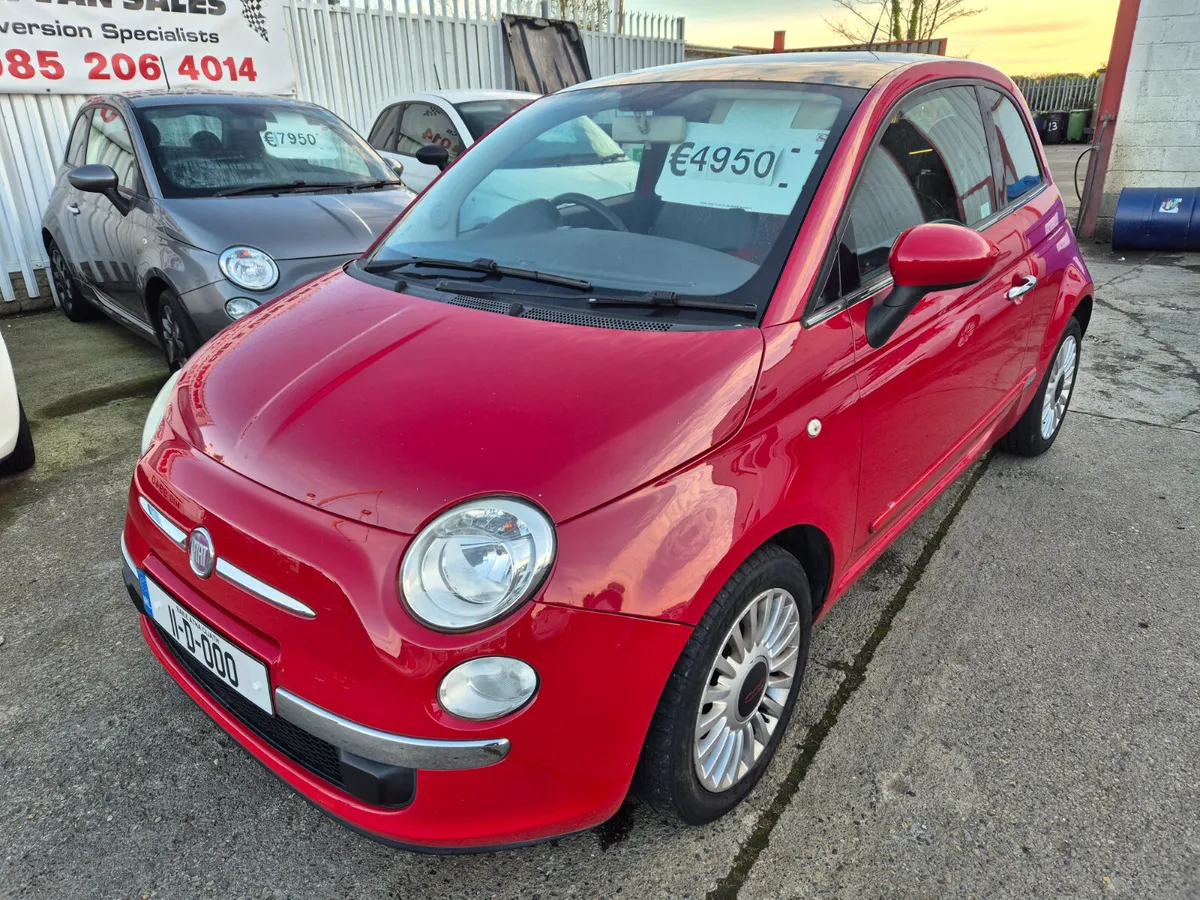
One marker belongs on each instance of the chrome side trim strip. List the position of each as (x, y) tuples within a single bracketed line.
[(112, 307), (125, 556), (177, 535), (394, 749), (261, 589)]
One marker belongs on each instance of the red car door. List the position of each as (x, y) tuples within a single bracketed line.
[(953, 368)]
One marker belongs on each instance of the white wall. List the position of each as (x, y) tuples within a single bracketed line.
[(1157, 139)]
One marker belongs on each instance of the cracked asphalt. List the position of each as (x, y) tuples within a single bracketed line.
[(1006, 705)]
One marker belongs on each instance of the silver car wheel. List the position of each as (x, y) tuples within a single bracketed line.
[(63, 295), (172, 337), (1058, 387), (747, 690)]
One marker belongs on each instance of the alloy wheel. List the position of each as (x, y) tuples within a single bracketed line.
[(62, 279), (1058, 387), (747, 690), (172, 337)]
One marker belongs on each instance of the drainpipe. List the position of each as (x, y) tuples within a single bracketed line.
[(1106, 115)]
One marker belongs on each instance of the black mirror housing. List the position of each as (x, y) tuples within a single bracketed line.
[(98, 179), (434, 155)]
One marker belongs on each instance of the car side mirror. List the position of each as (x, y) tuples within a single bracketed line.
[(397, 167), (434, 155), (932, 257), (98, 179)]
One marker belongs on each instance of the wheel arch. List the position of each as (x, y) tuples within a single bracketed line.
[(156, 284), (814, 551), (1083, 312)]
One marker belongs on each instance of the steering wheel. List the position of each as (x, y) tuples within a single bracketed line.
[(572, 199)]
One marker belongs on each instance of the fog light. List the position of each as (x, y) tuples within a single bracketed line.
[(240, 306), (487, 688)]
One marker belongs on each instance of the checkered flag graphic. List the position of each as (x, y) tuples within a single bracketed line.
[(252, 11)]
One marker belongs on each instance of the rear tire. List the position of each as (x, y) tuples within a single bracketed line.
[(177, 334), (23, 455), (66, 289), (687, 772), (1036, 430)]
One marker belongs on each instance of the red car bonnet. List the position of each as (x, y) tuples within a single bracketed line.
[(388, 408)]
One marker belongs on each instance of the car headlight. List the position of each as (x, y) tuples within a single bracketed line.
[(476, 562), (157, 410), (240, 306), (249, 268)]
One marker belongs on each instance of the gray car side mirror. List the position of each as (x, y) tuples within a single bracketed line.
[(98, 179)]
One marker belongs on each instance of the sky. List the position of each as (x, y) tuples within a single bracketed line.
[(1021, 37)]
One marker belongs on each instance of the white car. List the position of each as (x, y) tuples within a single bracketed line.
[(454, 120), (16, 440)]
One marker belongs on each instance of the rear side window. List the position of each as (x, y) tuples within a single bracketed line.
[(416, 125), (79, 135), (383, 132), (1017, 161), (931, 165)]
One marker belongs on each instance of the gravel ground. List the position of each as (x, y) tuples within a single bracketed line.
[(1005, 706)]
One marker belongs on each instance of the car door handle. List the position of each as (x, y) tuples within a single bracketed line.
[(73, 209), (1016, 293)]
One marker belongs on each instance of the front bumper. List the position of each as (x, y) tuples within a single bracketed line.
[(359, 678)]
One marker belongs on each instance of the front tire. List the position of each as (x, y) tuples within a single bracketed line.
[(1036, 430), (66, 288), (177, 334), (23, 455), (728, 701)]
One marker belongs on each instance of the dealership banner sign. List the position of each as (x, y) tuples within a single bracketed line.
[(106, 46)]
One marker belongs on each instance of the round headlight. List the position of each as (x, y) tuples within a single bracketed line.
[(487, 688), (158, 409), (249, 268), (240, 306), (475, 562)]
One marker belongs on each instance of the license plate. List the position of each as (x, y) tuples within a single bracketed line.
[(225, 659)]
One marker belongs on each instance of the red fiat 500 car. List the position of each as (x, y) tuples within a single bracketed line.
[(540, 498)]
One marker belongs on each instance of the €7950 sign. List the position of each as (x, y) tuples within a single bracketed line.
[(105, 46)]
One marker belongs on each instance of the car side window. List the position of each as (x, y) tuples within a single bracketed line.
[(421, 124), (383, 135), (109, 144), (931, 165), (1017, 161), (79, 134)]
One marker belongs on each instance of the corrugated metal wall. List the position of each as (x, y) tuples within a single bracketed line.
[(352, 57), (1053, 93)]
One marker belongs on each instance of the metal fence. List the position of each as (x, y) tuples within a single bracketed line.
[(352, 57), (1052, 93)]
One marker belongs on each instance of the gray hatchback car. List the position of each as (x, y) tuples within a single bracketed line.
[(177, 212)]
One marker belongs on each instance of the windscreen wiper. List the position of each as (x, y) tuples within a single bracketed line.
[(355, 186), (269, 188), (487, 266), (672, 300)]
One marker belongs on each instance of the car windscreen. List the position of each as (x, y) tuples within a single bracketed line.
[(202, 149), (481, 116), (691, 188)]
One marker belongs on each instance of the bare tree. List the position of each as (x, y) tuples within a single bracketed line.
[(898, 20), (585, 13)]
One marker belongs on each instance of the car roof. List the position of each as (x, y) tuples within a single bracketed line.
[(142, 99), (856, 69), (465, 95)]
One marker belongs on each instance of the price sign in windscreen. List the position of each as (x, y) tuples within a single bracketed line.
[(753, 154)]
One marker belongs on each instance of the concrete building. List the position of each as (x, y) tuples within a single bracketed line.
[(1149, 111)]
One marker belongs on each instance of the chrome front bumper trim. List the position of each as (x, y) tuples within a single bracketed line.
[(128, 559), (262, 590), (395, 749), (177, 535)]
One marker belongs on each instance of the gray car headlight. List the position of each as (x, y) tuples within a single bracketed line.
[(476, 562), (158, 409), (249, 268)]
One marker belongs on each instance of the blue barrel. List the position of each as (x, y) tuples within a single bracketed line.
[(1157, 219)]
